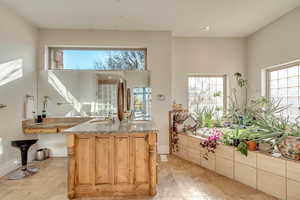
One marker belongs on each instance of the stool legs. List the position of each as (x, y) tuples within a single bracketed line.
[(24, 171)]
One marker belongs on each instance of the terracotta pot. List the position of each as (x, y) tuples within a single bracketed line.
[(251, 145), (290, 147)]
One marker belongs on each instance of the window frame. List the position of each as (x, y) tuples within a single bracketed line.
[(143, 93), (106, 82), (49, 50), (277, 68), (224, 76)]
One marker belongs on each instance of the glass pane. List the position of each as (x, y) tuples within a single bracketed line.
[(293, 81), (293, 71), (282, 83), (97, 59), (220, 81), (293, 91), (293, 100), (282, 92), (274, 75), (141, 102), (274, 92), (208, 92), (274, 84), (282, 73)]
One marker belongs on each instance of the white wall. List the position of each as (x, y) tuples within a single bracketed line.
[(277, 43), (158, 46), (205, 56), (18, 46)]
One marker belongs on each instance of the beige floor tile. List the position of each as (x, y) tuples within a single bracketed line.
[(177, 180)]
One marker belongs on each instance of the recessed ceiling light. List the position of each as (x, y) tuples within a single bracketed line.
[(205, 28)]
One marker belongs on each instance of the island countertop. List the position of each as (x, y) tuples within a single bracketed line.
[(107, 127)]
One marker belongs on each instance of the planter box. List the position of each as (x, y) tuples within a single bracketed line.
[(278, 177)]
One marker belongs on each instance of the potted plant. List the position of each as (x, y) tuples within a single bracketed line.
[(236, 137), (226, 138), (242, 148), (249, 138), (282, 132), (211, 143)]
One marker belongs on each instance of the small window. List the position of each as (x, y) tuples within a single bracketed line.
[(142, 102), (207, 92), (284, 86), (97, 59), (106, 98)]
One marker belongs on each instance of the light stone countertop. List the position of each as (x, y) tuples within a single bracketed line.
[(99, 126)]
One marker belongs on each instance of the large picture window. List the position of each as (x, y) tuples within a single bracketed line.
[(284, 86), (207, 92), (97, 59)]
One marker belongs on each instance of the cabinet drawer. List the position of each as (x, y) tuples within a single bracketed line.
[(245, 174), (209, 163), (293, 170), (271, 164), (271, 184), (293, 190), (182, 139), (225, 151), (248, 160), (224, 167)]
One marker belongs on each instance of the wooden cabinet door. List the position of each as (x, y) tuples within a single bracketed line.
[(84, 160), (104, 160), (122, 160), (141, 168)]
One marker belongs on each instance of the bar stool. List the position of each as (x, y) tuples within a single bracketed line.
[(25, 171)]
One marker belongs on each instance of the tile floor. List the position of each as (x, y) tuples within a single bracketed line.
[(177, 180)]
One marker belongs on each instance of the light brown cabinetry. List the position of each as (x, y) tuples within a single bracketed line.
[(111, 164)]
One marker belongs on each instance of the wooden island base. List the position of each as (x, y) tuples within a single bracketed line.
[(111, 164)]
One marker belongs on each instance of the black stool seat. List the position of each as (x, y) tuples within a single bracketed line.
[(20, 143), (24, 146)]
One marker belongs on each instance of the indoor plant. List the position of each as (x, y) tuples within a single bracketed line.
[(211, 143)]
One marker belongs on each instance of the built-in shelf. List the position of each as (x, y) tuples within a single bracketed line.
[(257, 170)]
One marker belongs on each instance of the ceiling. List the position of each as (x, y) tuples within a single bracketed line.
[(226, 18)]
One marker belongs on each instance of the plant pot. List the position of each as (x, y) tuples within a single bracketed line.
[(290, 147), (236, 142), (265, 147), (251, 145)]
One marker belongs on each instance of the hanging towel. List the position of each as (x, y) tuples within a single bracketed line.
[(29, 108)]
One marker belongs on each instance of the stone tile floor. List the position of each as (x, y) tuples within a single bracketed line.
[(177, 180)]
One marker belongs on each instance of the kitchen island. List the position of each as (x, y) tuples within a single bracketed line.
[(110, 158)]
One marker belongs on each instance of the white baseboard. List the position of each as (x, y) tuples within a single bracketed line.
[(163, 149)]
